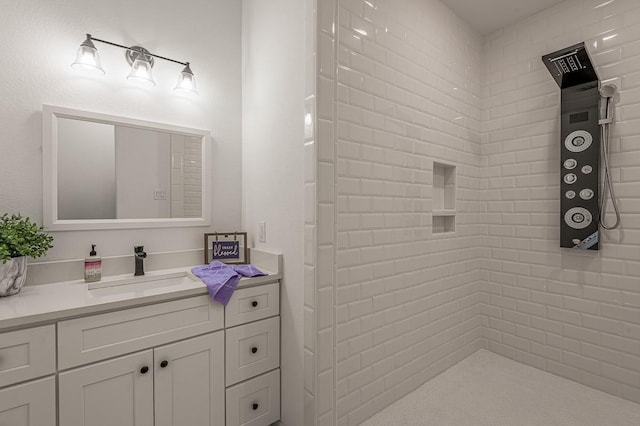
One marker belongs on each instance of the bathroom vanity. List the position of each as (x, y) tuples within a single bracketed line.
[(155, 352)]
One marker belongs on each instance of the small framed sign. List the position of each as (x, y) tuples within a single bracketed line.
[(227, 247)]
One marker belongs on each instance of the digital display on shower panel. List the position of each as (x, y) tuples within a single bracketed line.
[(579, 117), (579, 167)]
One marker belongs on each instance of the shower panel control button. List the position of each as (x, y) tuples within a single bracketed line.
[(578, 141), (570, 164), (587, 169), (586, 194), (570, 194), (578, 218), (570, 178)]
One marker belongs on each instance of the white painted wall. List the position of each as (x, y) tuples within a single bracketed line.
[(39, 42), (273, 174)]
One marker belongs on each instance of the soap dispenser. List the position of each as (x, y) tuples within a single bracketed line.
[(92, 266)]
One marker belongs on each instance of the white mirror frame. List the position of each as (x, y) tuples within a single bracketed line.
[(50, 173)]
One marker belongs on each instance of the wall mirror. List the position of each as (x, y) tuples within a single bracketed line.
[(107, 172)]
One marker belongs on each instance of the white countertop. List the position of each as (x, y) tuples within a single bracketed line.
[(50, 302)]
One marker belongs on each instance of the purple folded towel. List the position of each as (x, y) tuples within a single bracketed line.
[(248, 270), (221, 279)]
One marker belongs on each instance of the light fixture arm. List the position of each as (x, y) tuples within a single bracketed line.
[(90, 37), (140, 60)]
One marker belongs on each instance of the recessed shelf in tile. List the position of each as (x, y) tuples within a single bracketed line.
[(446, 212), (444, 187), (444, 198), (443, 224)]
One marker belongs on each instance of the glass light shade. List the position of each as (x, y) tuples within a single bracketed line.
[(88, 58), (186, 81), (141, 71)]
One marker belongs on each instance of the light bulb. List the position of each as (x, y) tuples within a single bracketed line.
[(141, 71), (186, 81), (87, 57)]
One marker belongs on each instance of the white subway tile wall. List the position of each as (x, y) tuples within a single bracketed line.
[(320, 221), (400, 85), (186, 176), (571, 313), (192, 177), (310, 222), (406, 302)]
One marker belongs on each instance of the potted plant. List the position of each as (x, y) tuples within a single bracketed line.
[(19, 238)]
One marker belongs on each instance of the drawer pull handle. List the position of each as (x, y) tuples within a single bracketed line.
[(254, 303), (255, 406), (144, 370), (254, 349), (163, 364)]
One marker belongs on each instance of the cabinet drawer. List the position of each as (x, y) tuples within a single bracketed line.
[(255, 402), (252, 304), (29, 404), (97, 337), (252, 349), (27, 354)]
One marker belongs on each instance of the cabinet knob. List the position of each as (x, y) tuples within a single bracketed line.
[(254, 349), (164, 363), (254, 303), (144, 370), (255, 406)]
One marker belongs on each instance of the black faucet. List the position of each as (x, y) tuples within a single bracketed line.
[(139, 255)]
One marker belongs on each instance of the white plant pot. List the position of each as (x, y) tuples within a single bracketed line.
[(12, 275)]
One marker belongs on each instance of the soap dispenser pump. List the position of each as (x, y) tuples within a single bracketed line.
[(92, 266)]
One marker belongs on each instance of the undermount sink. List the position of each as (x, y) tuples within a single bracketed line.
[(149, 280)]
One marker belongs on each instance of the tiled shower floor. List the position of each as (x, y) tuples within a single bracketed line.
[(489, 390)]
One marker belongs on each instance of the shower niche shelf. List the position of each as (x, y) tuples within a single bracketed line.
[(443, 211)]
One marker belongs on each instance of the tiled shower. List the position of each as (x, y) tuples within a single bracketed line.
[(399, 284)]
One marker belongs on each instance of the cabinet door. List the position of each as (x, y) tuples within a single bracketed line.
[(29, 404), (117, 392), (189, 382)]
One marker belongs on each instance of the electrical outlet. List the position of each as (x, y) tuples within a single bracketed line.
[(262, 231), (159, 194)]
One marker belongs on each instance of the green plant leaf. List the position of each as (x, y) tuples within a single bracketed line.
[(21, 237)]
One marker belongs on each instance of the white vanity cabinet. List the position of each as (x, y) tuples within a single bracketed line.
[(176, 384), (29, 404), (116, 392), (169, 359), (188, 382), (252, 345), (26, 355)]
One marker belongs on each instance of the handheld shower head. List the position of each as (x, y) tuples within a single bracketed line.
[(609, 93), (608, 90)]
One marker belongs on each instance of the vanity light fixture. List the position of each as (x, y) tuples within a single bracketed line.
[(141, 64), (88, 57), (140, 59)]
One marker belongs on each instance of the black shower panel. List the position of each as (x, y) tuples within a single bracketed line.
[(580, 163), (580, 146)]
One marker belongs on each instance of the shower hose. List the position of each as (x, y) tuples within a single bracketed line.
[(607, 186)]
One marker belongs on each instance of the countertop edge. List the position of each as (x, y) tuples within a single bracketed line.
[(41, 318)]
